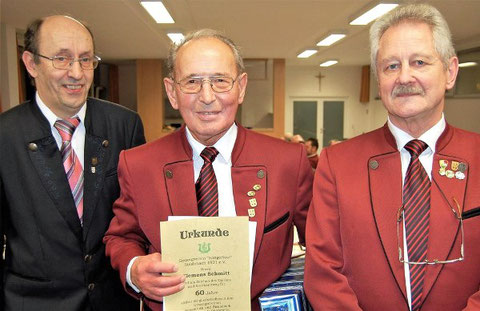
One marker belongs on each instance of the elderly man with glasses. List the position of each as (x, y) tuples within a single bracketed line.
[(58, 178), (394, 222), (207, 83)]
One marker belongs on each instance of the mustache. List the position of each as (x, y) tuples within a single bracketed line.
[(407, 90)]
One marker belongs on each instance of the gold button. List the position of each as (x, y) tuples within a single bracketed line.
[(260, 174), (251, 193), (373, 164), (169, 174), (94, 161), (105, 143), (257, 187), (32, 147)]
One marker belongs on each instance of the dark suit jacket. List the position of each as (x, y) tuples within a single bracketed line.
[(352, 258), (52, 263), (156, 181)]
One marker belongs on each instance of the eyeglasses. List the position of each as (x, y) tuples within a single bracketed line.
[(457, 215), (193, 85), (66, 63)]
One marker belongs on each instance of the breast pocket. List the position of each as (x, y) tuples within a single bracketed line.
[(474, 212), (277, 223)]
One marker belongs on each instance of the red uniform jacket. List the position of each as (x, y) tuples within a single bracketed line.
[(352, 254), (156, 181)]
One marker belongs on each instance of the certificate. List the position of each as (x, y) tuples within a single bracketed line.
[(213, 254)]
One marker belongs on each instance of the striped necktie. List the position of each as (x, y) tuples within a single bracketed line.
[(206, 185), (71, 163), (416, 203)]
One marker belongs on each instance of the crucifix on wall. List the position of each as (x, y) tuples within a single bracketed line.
[(320, 77)]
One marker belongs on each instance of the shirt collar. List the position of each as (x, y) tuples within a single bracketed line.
[(51, 117), (224, 145), (430, 137)]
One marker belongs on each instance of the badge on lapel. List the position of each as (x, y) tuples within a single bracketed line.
[(252, 201), (456, 170)]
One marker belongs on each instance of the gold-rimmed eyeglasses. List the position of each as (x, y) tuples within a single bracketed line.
[(65, 62), (457, 214), (193, 85)]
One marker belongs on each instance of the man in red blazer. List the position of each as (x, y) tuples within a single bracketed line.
[(359, 250), (206, 84)]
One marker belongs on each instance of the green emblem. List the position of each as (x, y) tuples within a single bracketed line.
[(204, 247)]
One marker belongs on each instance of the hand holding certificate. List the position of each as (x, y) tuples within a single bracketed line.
[(213, 254)]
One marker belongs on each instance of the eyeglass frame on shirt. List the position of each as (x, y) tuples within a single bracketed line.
[(458, 216)]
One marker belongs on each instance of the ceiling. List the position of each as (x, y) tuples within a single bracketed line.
[(262, 28)]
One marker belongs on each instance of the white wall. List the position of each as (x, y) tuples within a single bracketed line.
[(340, 83)]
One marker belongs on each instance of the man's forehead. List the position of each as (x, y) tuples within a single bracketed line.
[(202, 52), (59, 32)]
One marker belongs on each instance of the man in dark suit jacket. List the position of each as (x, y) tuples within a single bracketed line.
[(360, 251), (207, 83), (55, 258)]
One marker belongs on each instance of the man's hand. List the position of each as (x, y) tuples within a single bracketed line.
[(146, 274)]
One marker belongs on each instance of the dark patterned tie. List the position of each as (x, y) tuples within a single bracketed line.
[(206, 185), (416, 203), (71, 163)]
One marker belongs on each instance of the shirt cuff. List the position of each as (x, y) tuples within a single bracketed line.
[(129, 280)]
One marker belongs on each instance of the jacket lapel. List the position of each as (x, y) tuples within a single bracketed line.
[(96, 158), (251, 180), (47, 161), (179, 179), (386, 199), (181, 188), (247, 177)]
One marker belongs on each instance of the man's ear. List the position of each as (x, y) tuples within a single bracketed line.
[(29, 61), (242, 85), (170, 89), (452, 72)]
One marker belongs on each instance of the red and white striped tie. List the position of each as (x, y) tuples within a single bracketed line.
[(71, 163), (416, 203), (206, 185)]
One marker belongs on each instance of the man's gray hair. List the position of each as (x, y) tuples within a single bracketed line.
[(200, 34), (422, 13)]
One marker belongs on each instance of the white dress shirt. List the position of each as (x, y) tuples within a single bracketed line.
[(430, 137), (78, 137), (222, 166)]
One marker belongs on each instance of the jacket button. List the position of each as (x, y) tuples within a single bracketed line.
[(91, 286), (32, 147), (169, 174), (105, 143), (373, 164), (88, 258)]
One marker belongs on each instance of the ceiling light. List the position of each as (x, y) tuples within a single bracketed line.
[(176, 37), (374, 13), (329, 63), (467, 64), (158, 11), (331, 39), (307, 53)]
